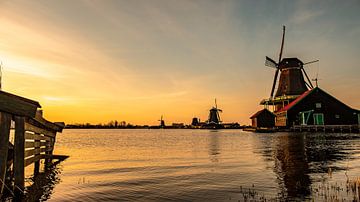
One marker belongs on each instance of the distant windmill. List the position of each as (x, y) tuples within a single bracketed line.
[(316, 78), (214, 116), (291, 82), (162, 122)]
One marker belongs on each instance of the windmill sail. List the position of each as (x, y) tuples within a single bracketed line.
[(270, 62)]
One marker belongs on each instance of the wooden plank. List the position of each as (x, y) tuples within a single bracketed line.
[(36, 129), (32, 159), (19, 154), (40, 121), (60, 157), (29, 145), (33, 152), (5, 120), (17, 105), (36, 144), (30, 136)]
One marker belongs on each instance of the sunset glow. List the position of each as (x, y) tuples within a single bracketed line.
[(133, 61)]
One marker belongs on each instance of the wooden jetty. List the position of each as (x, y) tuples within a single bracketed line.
[(326, 128), (34, 139)]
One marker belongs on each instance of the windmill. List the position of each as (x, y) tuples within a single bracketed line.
[(214, 117), (162, 122), (291, 83)]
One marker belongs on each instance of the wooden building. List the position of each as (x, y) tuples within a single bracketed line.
[(263, 118), (34, 140), (316, 107)]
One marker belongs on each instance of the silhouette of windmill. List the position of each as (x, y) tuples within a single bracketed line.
[(162, 122), (291, 83), (214, 116)]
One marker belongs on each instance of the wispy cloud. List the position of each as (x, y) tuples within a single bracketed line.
[(305, 12)]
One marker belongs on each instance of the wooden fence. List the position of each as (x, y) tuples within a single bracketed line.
[(327, 128), (34, 139)]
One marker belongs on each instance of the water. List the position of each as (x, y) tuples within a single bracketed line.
[(201, 165)]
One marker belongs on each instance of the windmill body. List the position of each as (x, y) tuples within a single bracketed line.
[(291, 80), (214, 117)]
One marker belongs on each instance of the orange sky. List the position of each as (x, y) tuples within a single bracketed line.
[(92, 61)]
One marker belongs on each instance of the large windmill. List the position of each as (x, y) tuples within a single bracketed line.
[(214, 117), (291, 83)]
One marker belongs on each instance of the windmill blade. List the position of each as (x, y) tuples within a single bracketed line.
[(302, 68), (280, 57), (270, 62), (220, 110), (306, 63), (306, 83), (282, 45), (274, 83)]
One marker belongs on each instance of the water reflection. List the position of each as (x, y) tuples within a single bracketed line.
[(295, 156), (291, 166), (43, 184), (214, 146)]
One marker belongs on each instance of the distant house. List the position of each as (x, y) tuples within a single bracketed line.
[(178, 125), (316, 107), (263, 118)]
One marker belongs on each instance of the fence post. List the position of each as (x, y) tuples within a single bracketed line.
[(37, 161), (19, 155), (5, 120)]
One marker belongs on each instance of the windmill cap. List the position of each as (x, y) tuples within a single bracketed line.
[(290, 63)]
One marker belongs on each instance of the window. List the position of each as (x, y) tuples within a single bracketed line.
[(318, 118), (318, 105)]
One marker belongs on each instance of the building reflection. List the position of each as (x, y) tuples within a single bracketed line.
[(296, 156), (291, 166)]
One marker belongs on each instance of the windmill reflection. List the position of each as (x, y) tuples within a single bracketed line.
[(296, 156), (214, 146), (291, 166)]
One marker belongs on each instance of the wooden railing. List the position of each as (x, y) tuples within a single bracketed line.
[(327, 128), (34, 139)]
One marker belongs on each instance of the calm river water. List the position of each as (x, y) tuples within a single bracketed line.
[(203, 165)]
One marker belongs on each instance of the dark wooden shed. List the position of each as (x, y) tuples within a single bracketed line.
[(316, 107), (263, 118)]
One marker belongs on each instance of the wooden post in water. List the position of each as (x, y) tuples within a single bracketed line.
[(5, 120), (37, 159), (19, 156)]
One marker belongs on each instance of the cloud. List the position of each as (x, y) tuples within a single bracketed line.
[(304, 13)]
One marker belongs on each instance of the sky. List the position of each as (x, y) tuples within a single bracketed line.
[(96, 61)]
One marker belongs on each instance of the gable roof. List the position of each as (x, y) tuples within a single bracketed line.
[(259, 112), (297, 100), (304, 95)]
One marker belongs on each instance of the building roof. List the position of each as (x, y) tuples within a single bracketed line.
[(304, 95), (297, 100), (17, 105), (259, 112), (290, 63)]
